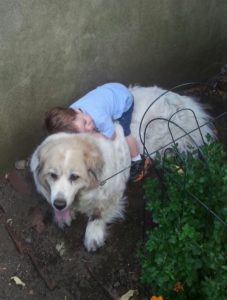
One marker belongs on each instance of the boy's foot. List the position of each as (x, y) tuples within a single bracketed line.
[(139, 169)]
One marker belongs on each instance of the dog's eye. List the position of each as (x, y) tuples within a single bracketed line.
[(73, 177), (53, 176)]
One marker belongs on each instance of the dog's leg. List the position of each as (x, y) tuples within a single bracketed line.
[(95, 233)]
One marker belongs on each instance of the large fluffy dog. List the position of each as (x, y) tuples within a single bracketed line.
[(68, 168)]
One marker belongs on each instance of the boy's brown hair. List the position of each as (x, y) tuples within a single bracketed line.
[(60, 119)]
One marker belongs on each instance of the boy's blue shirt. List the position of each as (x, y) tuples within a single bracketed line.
[(105, 104)]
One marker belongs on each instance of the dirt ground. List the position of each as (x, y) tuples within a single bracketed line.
[(53, 263)]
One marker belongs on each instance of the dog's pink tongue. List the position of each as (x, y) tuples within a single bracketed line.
[(62, 215)]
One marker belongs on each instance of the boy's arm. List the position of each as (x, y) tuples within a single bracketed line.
[(100, 135), (105, 128), (113, 136)]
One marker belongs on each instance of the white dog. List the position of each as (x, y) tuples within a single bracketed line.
[(68, 168)]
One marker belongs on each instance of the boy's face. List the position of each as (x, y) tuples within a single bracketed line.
[(83, 122)]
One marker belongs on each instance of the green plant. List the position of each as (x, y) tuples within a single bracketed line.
[(185, 254)]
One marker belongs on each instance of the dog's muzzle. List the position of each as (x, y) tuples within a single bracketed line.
[(60, 204)]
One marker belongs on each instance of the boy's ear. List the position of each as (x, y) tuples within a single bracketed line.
[(77, 110)]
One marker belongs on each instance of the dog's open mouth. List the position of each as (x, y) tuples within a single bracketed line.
[(63, 215)]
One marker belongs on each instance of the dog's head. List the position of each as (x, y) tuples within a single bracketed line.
[(65, 165)]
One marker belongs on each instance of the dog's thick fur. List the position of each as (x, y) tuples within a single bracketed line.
[(67, 168)]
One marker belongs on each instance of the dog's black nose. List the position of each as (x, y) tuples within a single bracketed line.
[(59, 204)]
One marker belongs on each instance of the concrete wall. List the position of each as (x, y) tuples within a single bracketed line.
[(52, 51)]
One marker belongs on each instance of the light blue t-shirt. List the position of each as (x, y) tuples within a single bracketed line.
[(105, 104)]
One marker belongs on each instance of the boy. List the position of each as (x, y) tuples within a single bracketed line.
[(95, 113)]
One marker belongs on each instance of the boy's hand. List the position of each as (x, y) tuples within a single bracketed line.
[(99, 135), (113, 136)]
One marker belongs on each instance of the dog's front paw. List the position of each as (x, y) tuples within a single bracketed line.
[(95, 235)]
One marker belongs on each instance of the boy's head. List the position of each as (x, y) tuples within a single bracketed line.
[(67, 119)]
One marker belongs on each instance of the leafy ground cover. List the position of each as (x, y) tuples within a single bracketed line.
[(184, 256)]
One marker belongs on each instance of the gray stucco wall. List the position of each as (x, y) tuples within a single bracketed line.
[(52, 51)]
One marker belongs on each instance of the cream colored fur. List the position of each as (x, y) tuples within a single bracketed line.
[(63, 156), (68, 168), (158, 132)]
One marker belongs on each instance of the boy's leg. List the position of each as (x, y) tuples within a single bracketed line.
[(125, 121), (140, 164), (133, 147)]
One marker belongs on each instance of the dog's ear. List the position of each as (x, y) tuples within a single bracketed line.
[(36, 166), (94, 163), (35, 162)]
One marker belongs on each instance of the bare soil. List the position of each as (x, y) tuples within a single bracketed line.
[(53, 263)]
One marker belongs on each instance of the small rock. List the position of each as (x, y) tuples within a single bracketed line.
[(21, 164), (28, 240), (116, 284), (60, 247)]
